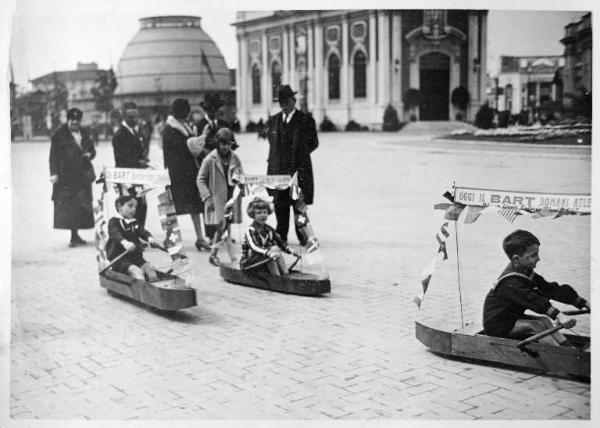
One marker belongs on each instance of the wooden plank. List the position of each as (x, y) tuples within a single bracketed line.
[(436, 340)]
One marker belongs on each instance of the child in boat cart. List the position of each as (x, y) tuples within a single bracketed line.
[(262, 244), (126, 235), (519, 288)]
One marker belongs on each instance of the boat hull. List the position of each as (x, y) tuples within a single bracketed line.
[(294, 283), (169, 293), (467, 343)]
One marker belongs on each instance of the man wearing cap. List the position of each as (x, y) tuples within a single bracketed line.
[(292, 137), (128, 147)]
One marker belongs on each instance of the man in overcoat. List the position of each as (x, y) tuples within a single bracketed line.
[(129, 150), (292, 137)]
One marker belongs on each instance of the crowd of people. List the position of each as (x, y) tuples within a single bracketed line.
[(199, 154)]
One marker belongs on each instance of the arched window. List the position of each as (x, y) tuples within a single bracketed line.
[(360, 75), (333, 70), (275, 79), (255, 84)]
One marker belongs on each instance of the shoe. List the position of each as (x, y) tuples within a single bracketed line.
[(200, 245), (213, 259), (78, 240), (73, 243)]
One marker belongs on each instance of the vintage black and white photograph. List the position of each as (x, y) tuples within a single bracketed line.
[(281, 213)]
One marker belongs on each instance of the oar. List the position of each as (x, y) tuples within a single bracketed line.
[(539, 336), (298, 257), (578, 312), (113, 261), (257, 264)]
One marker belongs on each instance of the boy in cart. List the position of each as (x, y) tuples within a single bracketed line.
[(519, 288), (262, 244), (125, 235)]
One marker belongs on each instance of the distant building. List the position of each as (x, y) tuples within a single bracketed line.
[(526, 82), (351, 64), (79, 83), (171, 57), (577, 75)]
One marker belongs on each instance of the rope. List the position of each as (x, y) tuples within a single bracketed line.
[(462, 319)]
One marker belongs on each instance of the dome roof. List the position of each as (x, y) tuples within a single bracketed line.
[(171, 54)]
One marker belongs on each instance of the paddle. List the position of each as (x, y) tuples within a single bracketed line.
[(113, 261), (577, 312), (539, 336), (257, 264), (298, 257)]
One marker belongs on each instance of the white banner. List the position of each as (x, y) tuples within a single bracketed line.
[(146, 177), (523, 200), (279, 181)]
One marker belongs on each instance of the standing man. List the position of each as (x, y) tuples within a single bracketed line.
[(129, 150), (292, 138)]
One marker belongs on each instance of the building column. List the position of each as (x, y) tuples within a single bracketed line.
[(318, 114), (383, 75), (396, 91), (245, 77), (472, 73), (372, 72), (537, 94), (344, 73), (266, 75), (310, 84), (292, 65), (483, 59), (285, 57), (238, 79)]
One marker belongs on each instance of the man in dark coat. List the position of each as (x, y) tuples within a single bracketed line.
[(128, 147), (292, 138), (72, 174)]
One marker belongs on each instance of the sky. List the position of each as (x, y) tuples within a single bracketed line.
[(54, 35)]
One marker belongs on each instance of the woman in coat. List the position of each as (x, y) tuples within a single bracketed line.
[(182, 166), (72, 174)]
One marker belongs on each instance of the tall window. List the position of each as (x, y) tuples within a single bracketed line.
[(275, 79), (360, 75), (255, 84), (333, 70)]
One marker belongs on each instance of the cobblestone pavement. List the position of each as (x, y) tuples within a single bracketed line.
[(244, 353)]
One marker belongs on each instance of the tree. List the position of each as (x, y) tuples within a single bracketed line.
[(103, 92), (58, 99), (390, 119)]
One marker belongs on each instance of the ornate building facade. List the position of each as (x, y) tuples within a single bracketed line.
[(528, 82), (577, 74), (351, 64)]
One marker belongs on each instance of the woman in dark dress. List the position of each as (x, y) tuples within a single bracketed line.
[(183, 167), (72, 174)]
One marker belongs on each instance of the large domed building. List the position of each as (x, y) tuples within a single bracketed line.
[(168, 58)]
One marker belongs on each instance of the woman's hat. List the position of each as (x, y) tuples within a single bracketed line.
[(180, 108), (74, 114)]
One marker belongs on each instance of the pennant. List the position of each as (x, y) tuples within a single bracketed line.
[(561, 212), (425, 278), (180, 266), (207, 66), (472, 213), (451, 211), (544, 212), (510, 214)]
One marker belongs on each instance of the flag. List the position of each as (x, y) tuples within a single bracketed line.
[(180, 265), (544, 212), (207, 66), (441, 237), (510, 214), (561, 212), (472, 213), (451, 211), (424, 278)]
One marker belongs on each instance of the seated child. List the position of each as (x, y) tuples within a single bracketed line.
[(125, 234), (262, 242), (519, 288)]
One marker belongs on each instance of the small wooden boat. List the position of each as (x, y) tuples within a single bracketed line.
[(304, 284), (169, 293), (469, 343)]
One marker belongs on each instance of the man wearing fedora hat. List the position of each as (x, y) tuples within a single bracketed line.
[(292, 137)]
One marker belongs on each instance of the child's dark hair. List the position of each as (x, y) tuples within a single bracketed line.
[(258, 204), (122, 200), (517, 242)]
